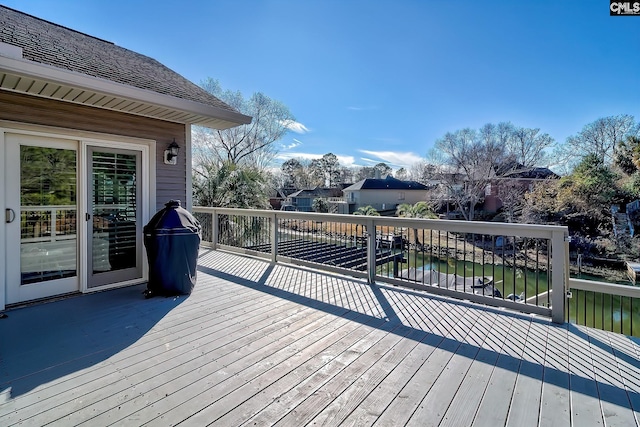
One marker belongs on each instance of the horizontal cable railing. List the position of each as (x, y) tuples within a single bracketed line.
[(507, 265)]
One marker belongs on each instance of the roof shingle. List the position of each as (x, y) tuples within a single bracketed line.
[(388, 183), (54, 45)]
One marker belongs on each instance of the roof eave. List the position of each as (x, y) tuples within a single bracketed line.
[(141, 101)]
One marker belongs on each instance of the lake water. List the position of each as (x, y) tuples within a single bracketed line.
[(608, 312)]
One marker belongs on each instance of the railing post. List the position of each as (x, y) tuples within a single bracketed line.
[(54, 219), (274, 237), (371, 251), (558, 274), (214, 229)]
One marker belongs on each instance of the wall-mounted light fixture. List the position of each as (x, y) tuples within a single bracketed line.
[(171, 153)]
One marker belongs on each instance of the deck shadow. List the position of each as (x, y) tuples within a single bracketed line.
[(42, 343), (393, 324)]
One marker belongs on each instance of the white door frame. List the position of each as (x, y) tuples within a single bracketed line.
[(145, 212), (16, 292), (147, 148)]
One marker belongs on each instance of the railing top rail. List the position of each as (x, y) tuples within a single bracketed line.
[(24, 208), (478, 227), (605, 288)]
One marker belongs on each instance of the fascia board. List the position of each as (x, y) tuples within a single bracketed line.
[(105, 87)]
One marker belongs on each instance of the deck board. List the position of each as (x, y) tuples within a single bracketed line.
[(555, 402), (271, 344), (585, 404), (465, 403), (527, 394), (496, 401)]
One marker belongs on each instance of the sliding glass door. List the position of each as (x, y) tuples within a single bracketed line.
[(41, 213), (114, 226)]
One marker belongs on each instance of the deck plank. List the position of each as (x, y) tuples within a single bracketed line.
[(626, 354), (460, 320), (156, 370), (238, 342), (465, 403), (144, 348), (287, 402), (494, 406), (616, 405), (438, 399), (370, 409), (555, 402), (525, 409), (303, 413), (282, 388), (261, 344), (149, 346), (585, 405)]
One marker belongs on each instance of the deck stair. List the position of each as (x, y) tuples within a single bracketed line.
[(620, 224)]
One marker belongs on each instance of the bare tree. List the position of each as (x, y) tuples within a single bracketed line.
[(402, 174), (600, 138), (512, 194), (250, 144), (346, 175), (298, 173), (423, 172), (331, 167), (529, 147), (364, 172), (469, 162), (383, 170)]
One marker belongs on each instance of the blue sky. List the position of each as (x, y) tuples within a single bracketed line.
[(381, 80)]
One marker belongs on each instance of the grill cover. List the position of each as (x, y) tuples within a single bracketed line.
[(172, 239)]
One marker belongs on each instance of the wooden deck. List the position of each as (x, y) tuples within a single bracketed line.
[(259, 344)]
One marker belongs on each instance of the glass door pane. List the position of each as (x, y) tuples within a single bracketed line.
[(114, 225), (48, 196), (41, 206)]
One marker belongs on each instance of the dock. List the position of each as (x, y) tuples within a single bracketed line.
[(633, 270)]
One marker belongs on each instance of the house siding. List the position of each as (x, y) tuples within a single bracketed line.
[(389, 198), (170, 179)]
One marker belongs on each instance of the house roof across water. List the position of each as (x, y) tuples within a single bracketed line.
[(388, 183)]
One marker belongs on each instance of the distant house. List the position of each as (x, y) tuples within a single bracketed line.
[(520, 179), (302, 200), (383, 194), (94, 138)]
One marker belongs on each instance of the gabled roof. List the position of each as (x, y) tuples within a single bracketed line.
[(388, 183), (44, 59), (532, 173), (313, 192), (517, 170)]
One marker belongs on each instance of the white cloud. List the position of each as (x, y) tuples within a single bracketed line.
[(348, 161), (294, 126), (370, 161), (294, 144), (303, 156), (393, 158)]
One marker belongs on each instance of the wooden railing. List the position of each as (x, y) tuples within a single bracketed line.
[(519, 266), (47, 223), (602, 305), (509, 265)]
